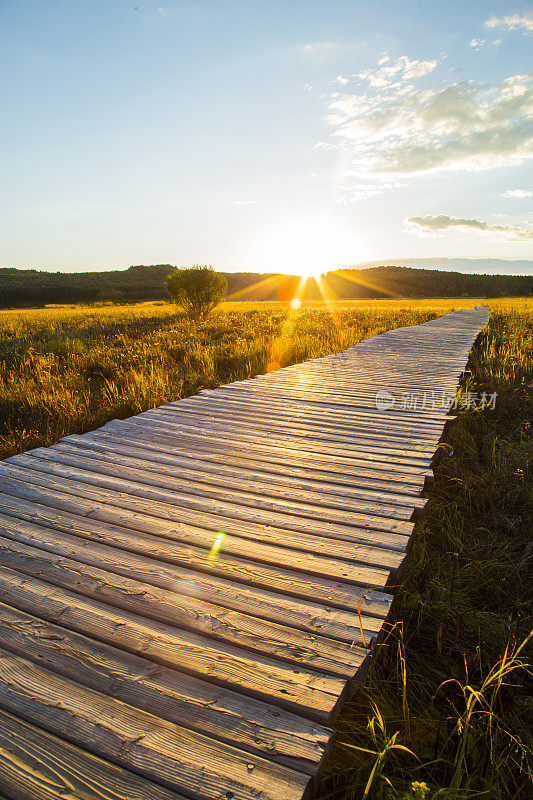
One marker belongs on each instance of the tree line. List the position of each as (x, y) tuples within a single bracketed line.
[(20, 288)]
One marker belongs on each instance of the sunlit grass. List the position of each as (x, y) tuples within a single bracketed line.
[(69, 369), (450, 682), (453, 678)]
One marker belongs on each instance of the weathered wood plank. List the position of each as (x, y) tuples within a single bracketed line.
[(214, 622), (234, 718), (404, 448), (137, 740), (310, 617), (368, 417), (204, 469), (245, 492), (34, 765), (361, 473), (225, 405), (379, 532), (298, 689), (360, 569), (319, 457), (303, 585), (331, 447)]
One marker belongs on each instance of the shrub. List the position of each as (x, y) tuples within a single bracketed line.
[(196, 289)]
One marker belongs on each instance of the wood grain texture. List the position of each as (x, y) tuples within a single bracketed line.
[(172, 695), (140, 741), (186, 613), (188, 596), (298, 689), (198, 556), (317, 619), (34, 765)]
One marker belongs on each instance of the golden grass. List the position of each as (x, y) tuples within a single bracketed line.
[(450, 683), (66, 369)]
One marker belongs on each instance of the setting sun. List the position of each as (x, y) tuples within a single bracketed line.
[(309, 248)]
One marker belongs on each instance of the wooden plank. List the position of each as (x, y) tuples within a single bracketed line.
[(225, 516), (328, 447), (206, 469), (348, 569), (354, 463), (362, 409), (310, 617), (34, 765), (287, 411), (300, 426), (249, 724), (403, 445), (244, 491), (275, 641), (302, 585), (159, 750), (220, 401), (265, 459), (330, 402), (235, 505), (297, 689), (373, 420)]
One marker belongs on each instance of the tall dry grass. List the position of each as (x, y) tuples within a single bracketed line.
[(71, 369), (446, 709), (452, 681)]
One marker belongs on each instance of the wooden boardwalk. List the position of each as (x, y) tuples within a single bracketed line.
[(187, 596)]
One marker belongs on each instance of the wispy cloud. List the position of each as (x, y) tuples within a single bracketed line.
[(396, 72), (435, 225), (517, 193), (395, 128), (513, 22), (320, 49), (477, 44)]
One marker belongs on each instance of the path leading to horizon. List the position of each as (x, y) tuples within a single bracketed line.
[(188, 596)]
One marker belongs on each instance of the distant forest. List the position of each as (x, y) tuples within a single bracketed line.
[(28, 287)]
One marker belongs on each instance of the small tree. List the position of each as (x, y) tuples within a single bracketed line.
[(197, 289)]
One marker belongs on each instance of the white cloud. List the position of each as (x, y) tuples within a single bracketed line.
[(513, 22), (319, 49), (477, 44), (392, 128), (401, 70), (517, 193), (435, 225)]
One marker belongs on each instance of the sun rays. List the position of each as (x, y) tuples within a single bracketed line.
[(311, 286)]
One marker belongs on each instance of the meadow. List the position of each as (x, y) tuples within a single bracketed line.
[(70, 369), (446, 710)]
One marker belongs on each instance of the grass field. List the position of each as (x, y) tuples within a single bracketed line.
[(450, 684), (71, 369)]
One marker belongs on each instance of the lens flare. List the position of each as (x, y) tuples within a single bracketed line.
[(217, 545)]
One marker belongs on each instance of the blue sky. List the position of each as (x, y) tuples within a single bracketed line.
[(271, 136)]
